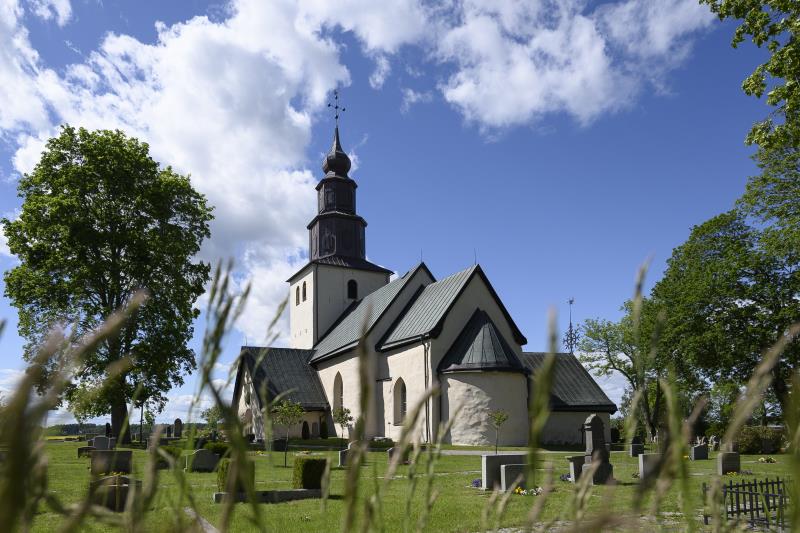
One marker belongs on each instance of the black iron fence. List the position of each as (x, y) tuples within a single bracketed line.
[(761, 503)]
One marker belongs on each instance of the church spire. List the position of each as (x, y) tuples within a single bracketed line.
[(336, 161)]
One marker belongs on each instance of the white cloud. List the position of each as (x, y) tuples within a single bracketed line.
[(4, 251), (411, 97), (60, 10), (382, 70)]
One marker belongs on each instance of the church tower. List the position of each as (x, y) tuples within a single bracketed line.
[(338, 272)]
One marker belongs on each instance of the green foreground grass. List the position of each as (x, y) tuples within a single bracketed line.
[(458, 507)]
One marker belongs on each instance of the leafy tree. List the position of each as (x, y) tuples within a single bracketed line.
[(287, 414), (729, 296), (342, 418), (627, 347), (101, 221), (212, 416), (497, 418), (774, 24)]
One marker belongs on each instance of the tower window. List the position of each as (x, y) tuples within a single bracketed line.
[(352, 289), (297, 296), (304, 291)]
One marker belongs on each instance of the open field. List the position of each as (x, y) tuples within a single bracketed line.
[(458, 507)]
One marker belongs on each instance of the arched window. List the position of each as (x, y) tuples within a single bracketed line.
[(400, 403), (338, 392), (297, 296), (304, 291), (352, 289)]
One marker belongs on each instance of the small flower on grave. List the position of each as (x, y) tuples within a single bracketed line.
[(476, 483), (770, 460)]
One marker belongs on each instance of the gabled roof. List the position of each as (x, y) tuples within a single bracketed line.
[(480, 346), (573, 388), (283, 369), (344, 262), (360, 318), (426, 314)]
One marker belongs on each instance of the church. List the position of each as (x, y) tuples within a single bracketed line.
[(416, 331)]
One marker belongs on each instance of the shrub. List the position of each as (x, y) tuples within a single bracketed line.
[(323, 430), (308, 472), (306, 434), (173, 451), (220, 448), (224, 467), (759, 439)]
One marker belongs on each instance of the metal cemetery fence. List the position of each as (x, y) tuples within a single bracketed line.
[(759, 503)]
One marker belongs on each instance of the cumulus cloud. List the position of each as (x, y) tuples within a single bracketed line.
[(411, 97), (60, 10)]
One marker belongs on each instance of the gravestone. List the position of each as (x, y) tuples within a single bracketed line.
[(201, 461), (90, 442), (214, 435), (511, 473), (177, 428), (648, 464), (112, 491), (200, 443), (108, 429), (698, 453), (490, 467), (728, 462), (107, 461), (596, 451), (343, 455), (102, 443), (391, 452), (85, 451), (575, 467), (169, 431), (637, 446), (615, 435)]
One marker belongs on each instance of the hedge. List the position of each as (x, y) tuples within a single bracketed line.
[(308, 472), (220, 448), (222, 475), (759, 439)]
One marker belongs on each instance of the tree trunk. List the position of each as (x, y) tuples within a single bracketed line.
[(119, 412)]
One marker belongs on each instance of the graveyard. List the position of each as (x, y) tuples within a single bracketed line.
[(459, 506)]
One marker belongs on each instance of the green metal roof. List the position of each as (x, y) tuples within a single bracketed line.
[(573, 388), (284, 370), (480, 346)]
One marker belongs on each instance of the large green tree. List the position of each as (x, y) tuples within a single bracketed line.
[(100, 221), (729, 294)]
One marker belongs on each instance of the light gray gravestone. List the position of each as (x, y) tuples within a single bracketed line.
[(575, 467), (511, 473), (201, 461), (490, 467), (107, 461), (698, 453), (102, 443), (177, 428), (648, 464), (728, 462), (596, 451)]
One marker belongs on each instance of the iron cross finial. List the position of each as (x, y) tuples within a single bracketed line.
[(336, 107)]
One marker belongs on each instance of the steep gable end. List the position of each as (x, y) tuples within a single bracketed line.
[(573, 387)]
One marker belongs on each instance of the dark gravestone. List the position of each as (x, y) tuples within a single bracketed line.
[(596, 455), (699, 453), (177, 428), (108, 461), (169, 431), (614, 435), (108, 429)]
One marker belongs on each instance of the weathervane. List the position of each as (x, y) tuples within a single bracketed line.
[(336, 107), (571, 336)]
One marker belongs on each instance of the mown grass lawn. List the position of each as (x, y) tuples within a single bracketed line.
[(458, 507)]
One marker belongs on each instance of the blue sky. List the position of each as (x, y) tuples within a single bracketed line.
[(561, 145)]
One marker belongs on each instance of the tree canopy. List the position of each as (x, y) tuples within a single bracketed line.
[(101, 221)]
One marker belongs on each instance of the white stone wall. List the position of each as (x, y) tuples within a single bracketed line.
[(331, 292), (347, 366), (301, 316), (477, 394), (565, 428), (406, 364)]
